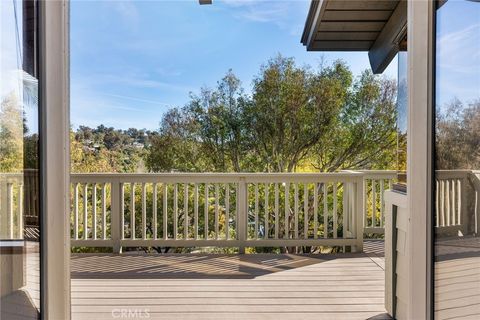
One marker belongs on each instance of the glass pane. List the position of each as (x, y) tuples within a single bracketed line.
[(457, 134), (402, 108), (19, 198)]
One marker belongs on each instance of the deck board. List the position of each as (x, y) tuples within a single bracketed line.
[(457, 278), (260, 286)]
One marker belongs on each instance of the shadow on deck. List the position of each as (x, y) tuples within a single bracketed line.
[(256, 286)]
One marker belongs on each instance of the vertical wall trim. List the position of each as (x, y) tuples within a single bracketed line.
[(419, 164), (54, 99)]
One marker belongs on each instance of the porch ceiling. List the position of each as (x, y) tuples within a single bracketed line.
[(356, 25)]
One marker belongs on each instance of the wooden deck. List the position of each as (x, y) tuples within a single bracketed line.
[(457, 278), (260, 286)]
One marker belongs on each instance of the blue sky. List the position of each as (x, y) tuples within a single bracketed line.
[(133, 60), (458, 52)]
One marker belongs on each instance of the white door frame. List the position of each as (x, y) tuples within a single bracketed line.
[(419, 152), (54, 95), (55, 161)]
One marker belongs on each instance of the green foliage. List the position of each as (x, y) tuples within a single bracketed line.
[(11, 135), (458, 136), (364, 135), (108, 150), (296, 119)]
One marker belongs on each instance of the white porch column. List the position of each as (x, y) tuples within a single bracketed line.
[(55, 151), (419, 166)]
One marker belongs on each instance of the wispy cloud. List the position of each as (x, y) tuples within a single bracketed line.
[(260, 11), (284, 14), (134, 80), (123, 97), (126, 10), (459, 51)]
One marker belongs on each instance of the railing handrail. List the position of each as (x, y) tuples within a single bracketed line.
[(213, 177)]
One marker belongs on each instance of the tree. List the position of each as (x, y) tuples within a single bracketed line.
[(458, 136), (11, 135), (364, 134), (296, 118), (208, 134), (293, 108), (105, 149)]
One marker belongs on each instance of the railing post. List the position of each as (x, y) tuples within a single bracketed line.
[(10, 216), (242, 214), (3, 208), (116, 216), (358, 216), (465, 221)]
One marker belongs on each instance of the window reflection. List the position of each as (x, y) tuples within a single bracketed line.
[(457, 178), (19, 199)]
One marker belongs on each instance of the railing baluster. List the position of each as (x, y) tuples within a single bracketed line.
[(195, 208), (165, 211), (20, 215), (335, 210), (295, 201), (104, 211), (442, 203), (305, 211), (287, 210), (365, 204), (459, 202), (454, 209), (315, 210), (121, 211), (277, 205), (374, 204), (175, 211), (85, 212), (447, 201), (382, 202), (359, 198), (217, 208), (206, 211), (325, 210), (10, 214), (75, 211), (154, 211), (227, 211), (267, 213), (185, 210), (463, 220), (132, 211), (144, 211), (94, 211), (256, 212)]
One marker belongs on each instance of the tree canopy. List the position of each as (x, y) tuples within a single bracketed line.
[(296, 118)]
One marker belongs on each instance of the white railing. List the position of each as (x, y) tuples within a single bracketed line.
[(453, 198), (11, 206), (242, 209), (19, 203), (226, 210), (375, 184)]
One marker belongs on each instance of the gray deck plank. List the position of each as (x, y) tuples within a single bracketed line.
[(261, 286)]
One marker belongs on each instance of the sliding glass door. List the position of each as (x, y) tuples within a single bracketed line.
[(19, 161), (457, 160)]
